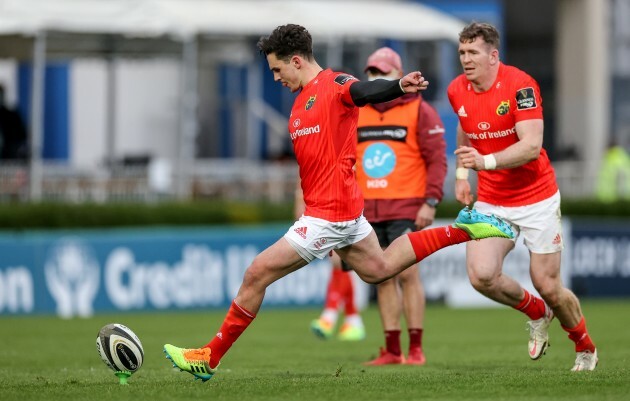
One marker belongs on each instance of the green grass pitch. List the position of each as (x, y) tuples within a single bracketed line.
[(473, 354)]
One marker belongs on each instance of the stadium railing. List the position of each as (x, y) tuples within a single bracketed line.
[(234, 179)]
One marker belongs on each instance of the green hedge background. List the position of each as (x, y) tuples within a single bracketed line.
[(63, 215)]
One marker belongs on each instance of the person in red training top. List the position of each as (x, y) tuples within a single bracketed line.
[(500, 135), (401, 167), (322, 127)]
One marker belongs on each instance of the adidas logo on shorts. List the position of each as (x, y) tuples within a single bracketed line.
[(557, 240), (301, 231)]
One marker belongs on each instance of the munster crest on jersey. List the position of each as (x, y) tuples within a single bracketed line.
[(503, 108), (310, 102)]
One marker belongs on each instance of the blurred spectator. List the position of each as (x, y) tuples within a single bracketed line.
[(12, 132), (614, 175)]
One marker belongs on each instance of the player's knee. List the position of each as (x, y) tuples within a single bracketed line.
[(550, 292), (373, 272), (255, 274), (482, 282), (249, 278), (372, 276)]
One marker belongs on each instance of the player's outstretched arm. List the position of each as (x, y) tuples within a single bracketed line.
[(381, 90)]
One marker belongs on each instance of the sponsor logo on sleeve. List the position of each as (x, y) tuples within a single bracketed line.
[(342, 79), (503, 108), (525, 99)]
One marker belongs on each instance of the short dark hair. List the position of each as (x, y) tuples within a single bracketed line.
[(487, 32), (286, 41)]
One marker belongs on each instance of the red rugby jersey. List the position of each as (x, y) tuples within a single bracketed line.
[(489, 119), (323, 126)]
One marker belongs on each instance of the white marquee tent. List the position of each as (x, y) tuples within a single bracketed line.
[(185, 18)]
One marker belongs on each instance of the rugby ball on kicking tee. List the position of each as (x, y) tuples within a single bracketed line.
[(120, 348)]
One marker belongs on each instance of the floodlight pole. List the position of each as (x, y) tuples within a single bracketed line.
[(36, 118)]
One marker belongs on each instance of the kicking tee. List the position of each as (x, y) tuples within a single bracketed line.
[(489, 121), (323, 126)]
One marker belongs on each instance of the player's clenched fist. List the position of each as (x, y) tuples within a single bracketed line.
[(413, 82)]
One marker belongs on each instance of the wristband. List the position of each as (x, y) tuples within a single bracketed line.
[(461, 173), (489, 162)]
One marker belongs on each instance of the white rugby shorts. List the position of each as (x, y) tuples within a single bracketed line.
[(539, 223), (316, 238)]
